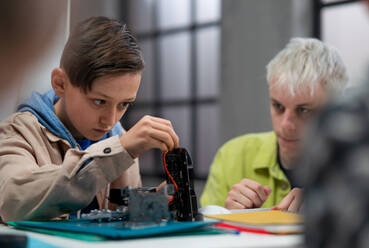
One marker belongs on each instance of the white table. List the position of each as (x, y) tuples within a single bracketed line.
[(213, 241)]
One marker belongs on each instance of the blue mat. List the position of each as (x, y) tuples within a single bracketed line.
[(112, 230)]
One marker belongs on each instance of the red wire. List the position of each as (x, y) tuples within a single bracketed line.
[(169, 175), (242, 229)]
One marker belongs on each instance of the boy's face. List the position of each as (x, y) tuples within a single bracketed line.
[(290, 114), (91, 115)]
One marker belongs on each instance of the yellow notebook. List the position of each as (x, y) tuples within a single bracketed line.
[(274, 221)]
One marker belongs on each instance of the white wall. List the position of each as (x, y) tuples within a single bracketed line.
[(253, 31), (346, 28), (82, 9)]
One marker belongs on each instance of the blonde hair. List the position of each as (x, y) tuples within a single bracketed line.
[(305, 63)]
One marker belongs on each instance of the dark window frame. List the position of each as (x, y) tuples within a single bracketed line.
[(318, 6)]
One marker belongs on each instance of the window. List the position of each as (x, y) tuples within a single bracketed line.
[(342, 24), (181, 45)]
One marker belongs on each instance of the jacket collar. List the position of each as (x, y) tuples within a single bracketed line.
[(54, 138), (42, 106)]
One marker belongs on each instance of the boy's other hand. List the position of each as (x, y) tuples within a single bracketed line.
[(149, 132), (247, 194), (292, 201), (161, 186)]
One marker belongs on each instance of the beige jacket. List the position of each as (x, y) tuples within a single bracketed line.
[(39, 172)]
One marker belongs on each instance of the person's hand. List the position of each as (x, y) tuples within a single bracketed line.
[(247, 194), (292, 201), (161, 186), (149, 132)]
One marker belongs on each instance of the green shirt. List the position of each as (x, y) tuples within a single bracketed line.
[(252, 156)]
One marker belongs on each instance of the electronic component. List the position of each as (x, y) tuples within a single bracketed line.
[(106, 215), (135, 205), (179, 170), (145, 204)]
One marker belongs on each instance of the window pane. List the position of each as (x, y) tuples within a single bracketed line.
[(207, 10), (173, 13), (180, 118), (141, 15), (145, 92), (207, 137), (175, 66), (208, 52), (345, 27)]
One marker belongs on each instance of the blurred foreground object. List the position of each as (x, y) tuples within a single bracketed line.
[(27, 28)]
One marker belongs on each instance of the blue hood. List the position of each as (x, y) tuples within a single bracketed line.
[(42, 106)]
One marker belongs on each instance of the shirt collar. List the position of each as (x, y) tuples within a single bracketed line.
[(267, 154), (266, 158)]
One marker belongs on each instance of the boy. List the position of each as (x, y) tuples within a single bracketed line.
[(64, 150)]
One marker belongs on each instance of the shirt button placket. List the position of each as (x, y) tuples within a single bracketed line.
[(283, 186)]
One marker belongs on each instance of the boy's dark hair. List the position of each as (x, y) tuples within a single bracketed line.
[(97, 47)]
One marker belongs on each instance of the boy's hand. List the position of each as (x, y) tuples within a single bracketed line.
[(292, 201), (247, 194), (149, 132)]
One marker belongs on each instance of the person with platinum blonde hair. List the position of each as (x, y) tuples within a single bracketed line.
[(254, 170), (307, 63)]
